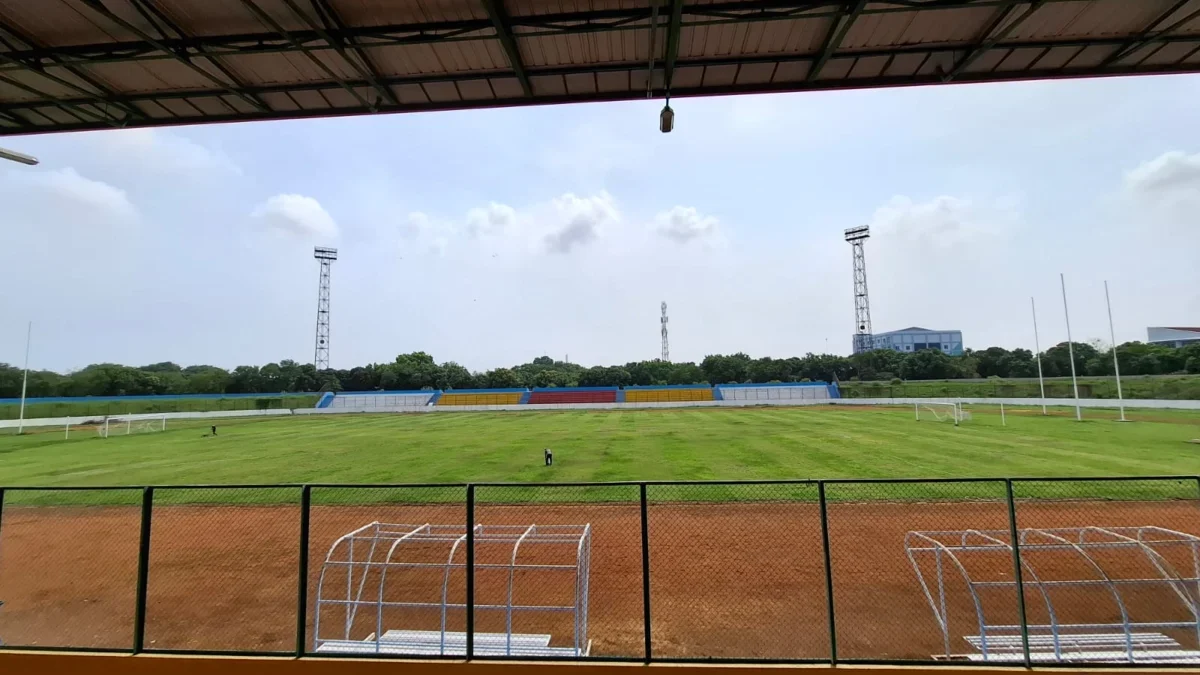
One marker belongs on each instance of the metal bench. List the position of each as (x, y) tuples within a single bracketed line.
[(1085, 647), (430, 643)]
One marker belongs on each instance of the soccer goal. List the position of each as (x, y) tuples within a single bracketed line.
[(123, 425), (939, 412)]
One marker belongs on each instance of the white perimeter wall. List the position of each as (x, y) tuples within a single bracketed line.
[(1031, 402)]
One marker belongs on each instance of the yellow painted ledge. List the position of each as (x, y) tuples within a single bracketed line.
[(54, 663)]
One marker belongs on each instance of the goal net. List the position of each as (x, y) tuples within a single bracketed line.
[(938, 412), (122, 425)]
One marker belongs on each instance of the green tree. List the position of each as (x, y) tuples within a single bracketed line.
[(454, 376), (927, 364), (501, 378)]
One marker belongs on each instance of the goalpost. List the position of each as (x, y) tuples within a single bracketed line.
[(941, 411), (121, 425)]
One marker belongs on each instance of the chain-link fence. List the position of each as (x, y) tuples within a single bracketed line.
[(1011, 572)]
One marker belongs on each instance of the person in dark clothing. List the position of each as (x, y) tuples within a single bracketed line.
[(214, 430), (549, 457)]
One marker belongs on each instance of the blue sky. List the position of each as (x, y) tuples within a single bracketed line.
[(491, 237)]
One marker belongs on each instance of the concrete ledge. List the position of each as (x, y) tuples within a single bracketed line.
[(40, 663)]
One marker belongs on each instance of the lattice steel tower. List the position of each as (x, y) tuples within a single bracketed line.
[(862, 306), (666, 349), (321, 349)]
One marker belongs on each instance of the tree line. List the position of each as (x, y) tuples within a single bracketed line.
[(418, 370)]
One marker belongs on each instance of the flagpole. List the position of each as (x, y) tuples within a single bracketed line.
[(1116, 366), (1070, 347), (1038, 347)]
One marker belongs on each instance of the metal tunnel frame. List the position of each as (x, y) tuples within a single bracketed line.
[(373, 537), (956, 549)]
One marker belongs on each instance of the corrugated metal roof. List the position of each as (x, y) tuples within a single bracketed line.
[(84, 64)]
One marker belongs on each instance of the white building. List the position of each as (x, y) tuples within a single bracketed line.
[(914, 339), (1172, 336)]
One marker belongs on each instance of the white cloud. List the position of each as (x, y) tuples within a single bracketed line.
[(297, 215), (157, 151), (941, 222), (683, 224), (95, 201), (493, 219), (577, 221), (1170, 172)]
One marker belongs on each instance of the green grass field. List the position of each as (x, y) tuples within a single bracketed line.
[(667, 444)]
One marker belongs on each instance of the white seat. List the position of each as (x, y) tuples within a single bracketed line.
[(430, 643), (1085, 647)]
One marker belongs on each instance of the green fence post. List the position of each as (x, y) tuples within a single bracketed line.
[(302, 582), (646, 637), (470, 571), (1013, 533), (143, 572), (828, 573)]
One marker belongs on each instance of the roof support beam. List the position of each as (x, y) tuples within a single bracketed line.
[(1147, 36), (551, 71), (672, 53), (99, 7), (359, 62), (990, 37), (625, 95), (21, 122), (266, 18), (368, 37), (499, 17), (105, 95), (146, 8), (838, 28), (71, 108)]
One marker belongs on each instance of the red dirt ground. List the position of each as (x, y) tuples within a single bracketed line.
[(727, 580)]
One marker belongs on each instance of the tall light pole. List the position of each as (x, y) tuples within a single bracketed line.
[(1070, 347), (856, 236), (1038, 347), (1116, 366), (326, 256), (18, 157)]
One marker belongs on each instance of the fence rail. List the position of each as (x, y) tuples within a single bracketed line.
[(1001, 571)]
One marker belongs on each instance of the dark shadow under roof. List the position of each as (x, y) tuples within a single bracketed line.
[(92, 64)]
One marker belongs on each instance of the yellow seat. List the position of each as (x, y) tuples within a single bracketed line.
[(667, 395), (493, 398)]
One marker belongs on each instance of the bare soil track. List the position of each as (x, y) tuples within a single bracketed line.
[(743, 580)]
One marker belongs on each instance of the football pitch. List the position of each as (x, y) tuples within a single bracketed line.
[(663, 444)]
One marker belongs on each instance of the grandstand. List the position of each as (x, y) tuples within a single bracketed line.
[(369, 400), (481, 397), (541, 396), (668, 394), (604, 397), (786, 391)]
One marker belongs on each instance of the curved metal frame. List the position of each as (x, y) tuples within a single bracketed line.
[(518, 536), (935, 543)]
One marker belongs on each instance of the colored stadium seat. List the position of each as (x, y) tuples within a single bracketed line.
[(480, 398), (668, 395), (545, 396)]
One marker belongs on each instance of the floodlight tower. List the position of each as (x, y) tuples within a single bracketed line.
[(666, 350), (321, 355), (862, 306)]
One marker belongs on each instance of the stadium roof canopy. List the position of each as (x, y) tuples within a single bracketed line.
[(93, 64)]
